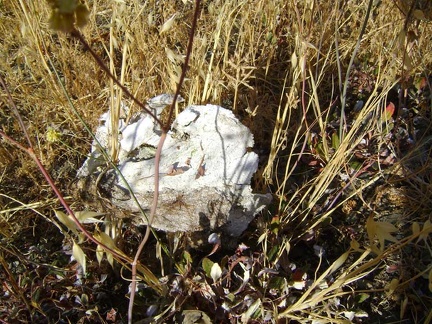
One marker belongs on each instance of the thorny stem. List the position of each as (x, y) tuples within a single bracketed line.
[(75, 33), (165, 129)]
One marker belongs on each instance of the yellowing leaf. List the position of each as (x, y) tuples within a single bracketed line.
[(66, 220), (173, 57), (370, 228), (381, 230), (287, 247), (403, 307), (430, 280), (88, 217), (108, 242), (99, 253), (418, 14), (389, 112), (195, 316), (79, 255), (427, 229), (294, 60), (81, 237), (415, 228), (110, 259), (262, 237), (105, 239), (149, 278), (339, 262), (355, 245), (391, 287)]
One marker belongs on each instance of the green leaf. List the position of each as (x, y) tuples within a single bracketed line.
[(272, 253), (362, 297), (320, 151), (207, 265), (335, 141), (184, 263), (187, 257)]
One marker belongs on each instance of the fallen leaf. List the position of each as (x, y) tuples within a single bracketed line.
[(389, 111), (381, 230)]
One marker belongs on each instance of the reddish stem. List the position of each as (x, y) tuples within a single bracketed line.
[(165, 129)]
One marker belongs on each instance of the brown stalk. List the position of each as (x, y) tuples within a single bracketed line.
[(165, 129)]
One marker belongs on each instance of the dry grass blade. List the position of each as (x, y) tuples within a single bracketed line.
[(338, 97)]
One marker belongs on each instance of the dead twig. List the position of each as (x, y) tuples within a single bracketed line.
[(165, 129)]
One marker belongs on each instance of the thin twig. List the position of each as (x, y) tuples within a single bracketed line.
[(165, 129)]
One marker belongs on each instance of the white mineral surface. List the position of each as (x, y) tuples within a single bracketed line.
[(205, 170)]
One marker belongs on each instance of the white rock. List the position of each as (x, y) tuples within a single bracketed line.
[(205, 171)]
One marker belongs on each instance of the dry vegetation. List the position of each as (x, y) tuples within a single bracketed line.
[(344, 133)]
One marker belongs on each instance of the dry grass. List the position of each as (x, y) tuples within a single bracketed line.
[(281, 67)]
